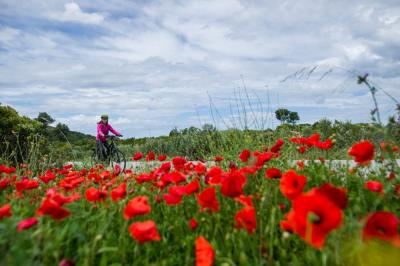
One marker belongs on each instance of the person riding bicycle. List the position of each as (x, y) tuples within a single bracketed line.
[(103, 127)]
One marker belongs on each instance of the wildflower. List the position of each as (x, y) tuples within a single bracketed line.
[(136, 206), (119, 192), (204, 252), (150, 156), (5, 211), (137, 156), (292, 184), (27, 223), (363, 152), (192, 187), (207, 199), (144, 231), (272, 173), (374, 186), (52, 208), (245, 155), (246, 218), (48, 176), (381, 225), (313, 217), (162, 157), (92, 194), (336, 194), (263, 158), (277, 147), (232, 185), (179, 163), (193, 224)]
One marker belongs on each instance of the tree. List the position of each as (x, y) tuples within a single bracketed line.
[(293, 118), (174, 132), (282, 115), (45, 119), (208, 128)]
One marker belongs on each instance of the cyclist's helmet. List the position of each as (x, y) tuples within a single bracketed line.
[(104, 116)]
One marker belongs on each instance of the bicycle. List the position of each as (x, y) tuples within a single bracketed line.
[(113, 157)]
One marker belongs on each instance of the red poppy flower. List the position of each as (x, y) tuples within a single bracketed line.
[(286, 226), (324, 145), (245, 155), (5, 182), (68, 166), (162, 157), (150, 156), (336, 194), (246, 218), (144, 231), (301, 149), (138, 155), (363, 152), (136, 206), (374, 186), (5, 211), (48, 176), (51, 193), (273, 173), (105, 174), (232, 185), (218, 158), (175, 194), (178, 177), (27, 223), (117, 169), (172, 199), (292, 184), (165, 167), (278, 145), (192, 187), (52, 208), (200, 169), (214, 175), (208, 199), (179, 163), (26, 184), (381, 225), (119, 192), (313, 217), (204, 252), (9, 170), (92, 194), (312, 140), (245, 200), (263, 158), (193, 224)]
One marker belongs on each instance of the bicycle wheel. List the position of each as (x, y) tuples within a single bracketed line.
[(117, 157)]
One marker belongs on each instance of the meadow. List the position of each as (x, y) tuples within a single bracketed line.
[(248, 207)]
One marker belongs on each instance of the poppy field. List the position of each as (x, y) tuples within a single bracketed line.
[(260, 209)]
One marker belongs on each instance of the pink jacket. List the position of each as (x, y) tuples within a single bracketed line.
[(102, 131)]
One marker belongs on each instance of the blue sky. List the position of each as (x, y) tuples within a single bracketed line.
[(155, 65)]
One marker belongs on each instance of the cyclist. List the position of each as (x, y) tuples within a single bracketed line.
[(103, 127)]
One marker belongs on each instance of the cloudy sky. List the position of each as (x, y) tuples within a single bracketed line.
[(154, 65)]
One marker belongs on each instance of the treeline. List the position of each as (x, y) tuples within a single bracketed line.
[(36, 141)]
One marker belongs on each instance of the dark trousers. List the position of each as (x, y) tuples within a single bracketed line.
[(102, 148)]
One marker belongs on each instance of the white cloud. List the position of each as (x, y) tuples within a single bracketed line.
[(73, 13)]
